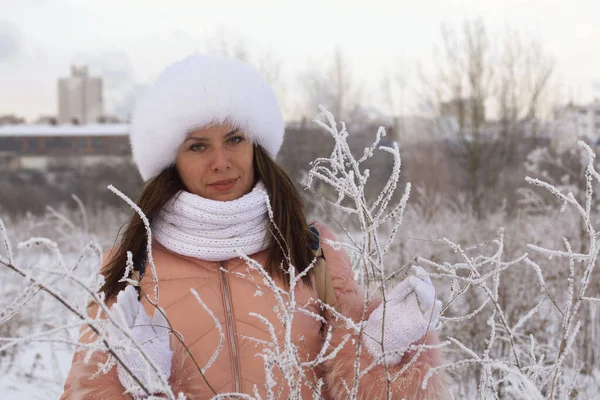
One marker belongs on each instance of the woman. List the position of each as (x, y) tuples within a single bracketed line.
[(204, 138)]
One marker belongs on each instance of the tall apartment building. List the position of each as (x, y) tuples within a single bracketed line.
[(80, 97)]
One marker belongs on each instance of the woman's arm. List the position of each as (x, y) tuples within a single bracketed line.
[(81, 385), (339, 373)]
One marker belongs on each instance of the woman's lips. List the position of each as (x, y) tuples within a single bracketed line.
[(223, 186)]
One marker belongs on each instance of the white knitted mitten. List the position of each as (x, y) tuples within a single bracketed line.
[(411, 311), (152, 336)]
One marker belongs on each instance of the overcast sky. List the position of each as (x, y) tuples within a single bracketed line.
[(130, 41)]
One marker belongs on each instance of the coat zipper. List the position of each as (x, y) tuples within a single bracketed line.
[(230, 327)]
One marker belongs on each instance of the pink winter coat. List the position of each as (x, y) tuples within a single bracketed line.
[(232, 297)]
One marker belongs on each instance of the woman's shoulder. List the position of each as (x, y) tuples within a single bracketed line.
[(338, 262), (325, 232)]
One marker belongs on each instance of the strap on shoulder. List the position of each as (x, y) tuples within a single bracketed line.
[(325, 288), (138, 273)]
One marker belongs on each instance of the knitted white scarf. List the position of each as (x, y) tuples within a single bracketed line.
[(213, 230)]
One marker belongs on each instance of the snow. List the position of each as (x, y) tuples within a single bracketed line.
[(38, 373)]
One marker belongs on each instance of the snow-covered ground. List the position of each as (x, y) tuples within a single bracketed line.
[(37, 372), (37, 369)]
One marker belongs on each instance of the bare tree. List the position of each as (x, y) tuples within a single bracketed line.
[(459, 90), (394, 87), (524, 71), (334, 87), (486, 95)]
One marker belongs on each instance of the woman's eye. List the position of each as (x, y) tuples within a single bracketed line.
[(236, 139), (196, 147)]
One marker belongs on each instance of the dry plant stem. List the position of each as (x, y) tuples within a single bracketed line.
[(343, 173), (6, 243), (181, 341), (384, 300), (567, 317), (103, 308), (80, 316), (497, 307), (365, 307), (52, 247), (543, 284), (144, 219), (84, 215), (573, 307)]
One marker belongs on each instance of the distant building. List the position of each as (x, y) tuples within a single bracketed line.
[(579, 120), (80, 99), (40, 146)]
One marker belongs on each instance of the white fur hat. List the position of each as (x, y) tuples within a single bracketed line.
[(196, 92)]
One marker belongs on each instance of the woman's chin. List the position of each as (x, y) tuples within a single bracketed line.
[(223, 196)]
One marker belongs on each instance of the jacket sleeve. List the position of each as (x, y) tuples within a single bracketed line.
[(184, 378), (339, 373), (79, 383)]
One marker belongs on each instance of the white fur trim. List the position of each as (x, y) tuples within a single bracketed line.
[(196, 92)]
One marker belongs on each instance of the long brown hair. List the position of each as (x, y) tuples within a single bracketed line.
[(289, 235)]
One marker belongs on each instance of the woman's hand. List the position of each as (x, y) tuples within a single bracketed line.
[(152, 334), (411, 310)]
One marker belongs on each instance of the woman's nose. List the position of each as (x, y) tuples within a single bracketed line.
[(220, 159)]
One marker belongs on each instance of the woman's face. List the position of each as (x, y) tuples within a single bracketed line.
[(216, 163)]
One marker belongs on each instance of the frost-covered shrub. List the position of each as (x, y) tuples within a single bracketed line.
[(521, 294)]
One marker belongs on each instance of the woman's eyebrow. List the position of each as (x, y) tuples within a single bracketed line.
[(197, 139), (202, 139), (233, 132)]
